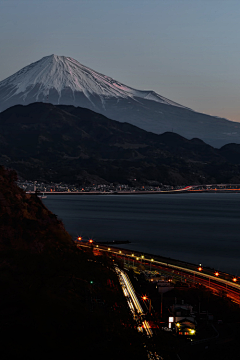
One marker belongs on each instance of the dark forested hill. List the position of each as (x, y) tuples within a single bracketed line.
[(48, 289), (25, 223), (75, 145)]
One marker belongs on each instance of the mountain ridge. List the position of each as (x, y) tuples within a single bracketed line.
[(76, 145)]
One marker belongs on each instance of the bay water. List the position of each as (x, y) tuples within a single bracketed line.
[(194, 227)]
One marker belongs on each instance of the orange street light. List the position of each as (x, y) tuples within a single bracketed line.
[(200, 268), (91, 241), (234, 279), (150, 303), (217, 273), (79, 238)]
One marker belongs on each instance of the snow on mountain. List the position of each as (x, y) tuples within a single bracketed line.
[(61, 73), (63, 80)]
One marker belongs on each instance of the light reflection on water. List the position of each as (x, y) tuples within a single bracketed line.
[(199, 228)]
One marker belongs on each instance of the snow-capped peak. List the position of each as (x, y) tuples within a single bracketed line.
[(64, 73)]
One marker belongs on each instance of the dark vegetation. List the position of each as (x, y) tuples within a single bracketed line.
[(63, 143), (56, 300)]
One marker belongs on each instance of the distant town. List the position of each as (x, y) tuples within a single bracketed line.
[(41, 187)]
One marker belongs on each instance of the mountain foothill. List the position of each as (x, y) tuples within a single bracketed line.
[(76, 145)]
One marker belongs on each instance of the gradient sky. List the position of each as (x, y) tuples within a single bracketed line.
[(185, 50)]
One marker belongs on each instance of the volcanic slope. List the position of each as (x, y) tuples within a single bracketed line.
[(75, 145), (63, 80)]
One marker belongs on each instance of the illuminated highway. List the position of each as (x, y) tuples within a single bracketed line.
[(217, 281)]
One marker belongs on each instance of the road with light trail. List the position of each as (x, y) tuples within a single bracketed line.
[(224, 283), (130, 293)]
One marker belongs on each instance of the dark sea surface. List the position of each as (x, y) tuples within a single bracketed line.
[(198, 228)]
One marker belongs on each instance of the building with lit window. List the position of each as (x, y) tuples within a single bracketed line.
[(182, 319)]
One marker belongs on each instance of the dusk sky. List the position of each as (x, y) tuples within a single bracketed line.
[(185, 50)]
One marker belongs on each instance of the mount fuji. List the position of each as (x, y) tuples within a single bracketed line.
[(63, 80)]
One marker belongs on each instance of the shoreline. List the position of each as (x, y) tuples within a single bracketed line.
[(168, 260), (132, 192)]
